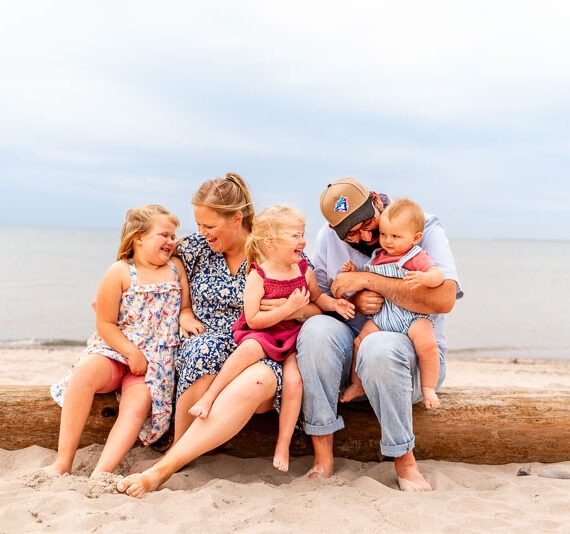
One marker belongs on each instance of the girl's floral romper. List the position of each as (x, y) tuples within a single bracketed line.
[(148, 317)]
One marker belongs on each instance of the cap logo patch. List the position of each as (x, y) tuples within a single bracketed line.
[(341, 204)]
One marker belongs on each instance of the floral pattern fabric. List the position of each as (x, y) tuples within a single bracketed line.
[(148, 317), (217, 302)]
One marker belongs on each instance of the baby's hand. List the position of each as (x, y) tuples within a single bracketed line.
[(191, 325), (344, 308), (137, 363), (299, 298), (348, 267), (415, 279)]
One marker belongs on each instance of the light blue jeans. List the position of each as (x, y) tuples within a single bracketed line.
[(387, 365)]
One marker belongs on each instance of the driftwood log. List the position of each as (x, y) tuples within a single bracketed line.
[(474, 425)]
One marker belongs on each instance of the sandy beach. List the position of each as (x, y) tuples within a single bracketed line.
[(220, 493)]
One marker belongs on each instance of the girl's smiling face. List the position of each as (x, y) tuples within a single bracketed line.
[(159, 242), (291, 243)]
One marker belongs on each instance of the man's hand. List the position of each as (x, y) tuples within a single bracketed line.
[(367, 302)]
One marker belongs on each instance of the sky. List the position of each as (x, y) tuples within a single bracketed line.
[(462, 106)]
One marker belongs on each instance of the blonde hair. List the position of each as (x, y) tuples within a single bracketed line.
[(139, 221), (412, 211), (227, 196), (271, 223)]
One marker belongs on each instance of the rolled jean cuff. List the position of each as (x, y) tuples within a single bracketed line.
[(395, 451), (324, 430)]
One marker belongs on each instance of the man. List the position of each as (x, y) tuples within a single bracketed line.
[(386, 362)]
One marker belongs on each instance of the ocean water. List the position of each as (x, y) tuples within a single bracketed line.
[(516, 303)]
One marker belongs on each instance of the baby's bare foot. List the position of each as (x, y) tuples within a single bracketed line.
[(352, 392), (138, 485)]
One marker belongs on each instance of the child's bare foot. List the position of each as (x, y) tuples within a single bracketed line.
[(57, 468), (352, 392), (431, 403), (138, 485), (430, 398), (201, 409), (281, 458)]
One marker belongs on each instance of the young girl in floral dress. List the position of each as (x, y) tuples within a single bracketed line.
[(142, 300)]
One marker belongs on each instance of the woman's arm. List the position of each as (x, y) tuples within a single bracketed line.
[(188, 322), (114, 282)]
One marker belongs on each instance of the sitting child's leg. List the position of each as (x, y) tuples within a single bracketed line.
[(93, 374), (291, 399), (248, 353), (355, 389), (422, 336), (134, 408)]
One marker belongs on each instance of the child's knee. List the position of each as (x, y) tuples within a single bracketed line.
[(293, 382)]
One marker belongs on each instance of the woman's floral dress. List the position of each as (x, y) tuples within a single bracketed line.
[(148, 316), (217, 302)]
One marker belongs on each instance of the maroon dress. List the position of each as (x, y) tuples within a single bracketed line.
[(278, 340)]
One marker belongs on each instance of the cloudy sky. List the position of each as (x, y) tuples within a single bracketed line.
[(462, 106)]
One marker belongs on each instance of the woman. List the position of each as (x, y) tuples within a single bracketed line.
[(215, 263)]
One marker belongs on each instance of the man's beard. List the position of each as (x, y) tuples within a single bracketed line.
[(366, 248)]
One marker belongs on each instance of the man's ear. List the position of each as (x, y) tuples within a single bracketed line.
[(377, 201)]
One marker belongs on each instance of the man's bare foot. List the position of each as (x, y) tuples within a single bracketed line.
[(281, 458), (409, 476), (323, 464), (138, 485), (201, 409), (352, 392)]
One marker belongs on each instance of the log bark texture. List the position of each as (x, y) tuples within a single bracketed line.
[(474, 425)]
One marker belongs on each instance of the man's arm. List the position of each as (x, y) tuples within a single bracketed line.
[(430, 300)]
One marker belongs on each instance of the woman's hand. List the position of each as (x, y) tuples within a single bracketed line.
[(189, 325)]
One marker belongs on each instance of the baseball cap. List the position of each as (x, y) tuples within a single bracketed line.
[(346, 203)]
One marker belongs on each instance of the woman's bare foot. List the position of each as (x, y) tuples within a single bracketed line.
[(201, 409), (138, 485), (352, 392), (409, 476), (281, 458)]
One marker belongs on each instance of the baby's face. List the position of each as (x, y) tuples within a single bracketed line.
[(397, 235)]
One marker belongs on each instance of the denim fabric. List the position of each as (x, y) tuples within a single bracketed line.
[(387, 366)]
